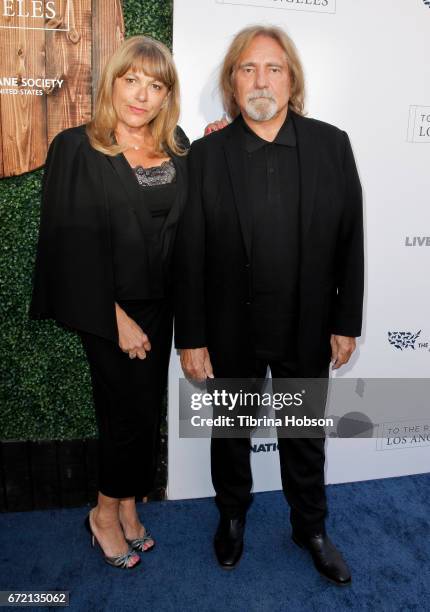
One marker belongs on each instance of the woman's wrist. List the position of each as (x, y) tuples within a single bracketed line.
[(120, 313)]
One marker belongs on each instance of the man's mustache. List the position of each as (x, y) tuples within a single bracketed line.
[(263, 93)]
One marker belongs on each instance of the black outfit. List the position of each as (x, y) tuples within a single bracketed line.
[(128, 395), (272, 170), (74, 280), (106, 236), (269, 262), (157, 199)]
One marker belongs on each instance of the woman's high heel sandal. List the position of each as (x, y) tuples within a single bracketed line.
[(139, 543), (121, 561)]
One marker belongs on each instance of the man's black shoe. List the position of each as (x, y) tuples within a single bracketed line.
[(326, 557), (228, 541)]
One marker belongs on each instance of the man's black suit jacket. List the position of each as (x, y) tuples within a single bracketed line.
[(213, 246)]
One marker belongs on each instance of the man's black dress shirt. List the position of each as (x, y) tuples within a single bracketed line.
[(273, 195)]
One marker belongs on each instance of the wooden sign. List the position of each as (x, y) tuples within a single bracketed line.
[(52, 55)]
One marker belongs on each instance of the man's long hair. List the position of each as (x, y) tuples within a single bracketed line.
[(139, 53), (239, 44)]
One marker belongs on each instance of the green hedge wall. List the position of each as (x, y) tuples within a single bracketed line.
[(45, 387)]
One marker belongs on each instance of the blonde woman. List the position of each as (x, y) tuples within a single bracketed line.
[(113, 192)]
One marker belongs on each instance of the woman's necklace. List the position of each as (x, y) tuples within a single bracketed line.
[(131, 146)]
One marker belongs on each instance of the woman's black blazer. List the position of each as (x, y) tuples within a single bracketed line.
[(74, 274)]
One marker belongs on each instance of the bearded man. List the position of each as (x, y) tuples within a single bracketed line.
[(269, 272)]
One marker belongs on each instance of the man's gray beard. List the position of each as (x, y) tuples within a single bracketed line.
[(261, 109)]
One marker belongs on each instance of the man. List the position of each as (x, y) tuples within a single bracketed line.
[(270, 271)]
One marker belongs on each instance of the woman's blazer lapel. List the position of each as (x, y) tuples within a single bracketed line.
[(134, 193), (181, 191)]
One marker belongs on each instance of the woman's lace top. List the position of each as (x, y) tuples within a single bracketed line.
[(156, 175)]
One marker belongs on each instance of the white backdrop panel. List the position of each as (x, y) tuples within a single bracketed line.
[(365, 65)]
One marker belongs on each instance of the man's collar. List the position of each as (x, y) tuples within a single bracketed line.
[(286, 136)]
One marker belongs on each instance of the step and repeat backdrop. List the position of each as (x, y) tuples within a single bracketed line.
[(366, 67), (53, 52)]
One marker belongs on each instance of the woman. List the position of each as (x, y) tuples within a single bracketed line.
[(113, 191)]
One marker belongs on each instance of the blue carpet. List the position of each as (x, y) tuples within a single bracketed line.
[(381, 526)]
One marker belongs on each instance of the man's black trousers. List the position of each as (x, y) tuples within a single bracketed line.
[(301, 459)]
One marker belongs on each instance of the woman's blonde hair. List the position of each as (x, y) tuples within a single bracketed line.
[(240, 42), (139, 53)]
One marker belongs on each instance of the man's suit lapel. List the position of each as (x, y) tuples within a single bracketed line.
[(308, 152), (235, 156)]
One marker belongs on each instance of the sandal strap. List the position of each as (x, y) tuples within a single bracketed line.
[(121, 560), (140, 542)]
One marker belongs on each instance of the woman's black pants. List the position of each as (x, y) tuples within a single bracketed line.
[(128, 396)]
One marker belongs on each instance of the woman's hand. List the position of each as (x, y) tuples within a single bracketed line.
[(216, 125), (132, 339)]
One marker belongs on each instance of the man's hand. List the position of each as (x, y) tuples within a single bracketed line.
[(216, 125), (342, 348), (132, 339), (196, 364)]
